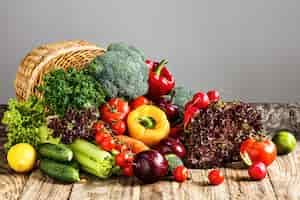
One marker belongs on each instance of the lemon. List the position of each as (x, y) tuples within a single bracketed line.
[(21, 157), (285, 142)]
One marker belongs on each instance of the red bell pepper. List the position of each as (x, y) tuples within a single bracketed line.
[(161, 81)]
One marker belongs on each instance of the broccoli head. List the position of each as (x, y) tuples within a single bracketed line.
[(121, 71)]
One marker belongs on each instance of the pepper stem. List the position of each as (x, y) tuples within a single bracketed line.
[(147, 122), (160, 67)]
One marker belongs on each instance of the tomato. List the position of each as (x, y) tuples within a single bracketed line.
[(258, 151), (201, 100), (100, 135), (98, 126), (124, 159), (128, 171), (118, 127), (138, 102), (114, 110), (108, 144), (121, 147), (215, 177), (181, 173), (149, 63), (213, 95), (257, 171)]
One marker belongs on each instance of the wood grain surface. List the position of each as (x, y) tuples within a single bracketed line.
[(283, 181)]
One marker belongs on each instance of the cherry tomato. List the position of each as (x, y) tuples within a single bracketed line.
[(108, 144), (138, 102), (121, 147), (201, 100), (213, 95), (116, 109), (181, 173), (257, 171), (215, 177), (259, 151), (100, 136), (149, 63), (98, 126), (128, 171), (118, 127), (124, 159)]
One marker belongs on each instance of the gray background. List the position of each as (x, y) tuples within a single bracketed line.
[(247, 49)]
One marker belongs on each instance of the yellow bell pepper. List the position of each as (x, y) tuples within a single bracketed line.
[(148, 124)]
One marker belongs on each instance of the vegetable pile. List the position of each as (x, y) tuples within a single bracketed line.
[(123, 115)]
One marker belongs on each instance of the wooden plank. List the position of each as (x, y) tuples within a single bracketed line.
[(285, 175), (11, 185), (40, 187), (113, 188), (241, 187), (130, 188)]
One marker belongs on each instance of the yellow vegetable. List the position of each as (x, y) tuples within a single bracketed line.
[(21, 157), (148, 124)]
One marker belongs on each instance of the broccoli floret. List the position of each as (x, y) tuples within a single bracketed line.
[(121, 71), (182, 96)]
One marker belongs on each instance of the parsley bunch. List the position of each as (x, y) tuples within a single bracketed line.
[(71, 89)]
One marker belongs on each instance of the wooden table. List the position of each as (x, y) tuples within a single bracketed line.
[(283, 181)]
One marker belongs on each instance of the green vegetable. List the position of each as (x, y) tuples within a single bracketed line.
[(92, 159), (71, 89), (173, 162), (61, 172), (121, 71), (26, 123), (182, 96), (58, 152)]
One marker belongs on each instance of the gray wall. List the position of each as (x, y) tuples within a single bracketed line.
[(247, 49)]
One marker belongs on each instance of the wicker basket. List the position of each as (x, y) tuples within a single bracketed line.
[(41, 60)]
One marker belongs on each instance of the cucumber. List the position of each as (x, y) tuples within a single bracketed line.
[(57, 152), (173, 162), (59, 171)]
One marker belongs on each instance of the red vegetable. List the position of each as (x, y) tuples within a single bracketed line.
[(124, 159), (116, 109), (258, 151), (108, 144), (189, 112), (128, 171), (213, 95), (149, 63), (215, 177), (100, 136), (171, 145), (200, 100), (149, 166), (118, 127), (98, 126), (161, 81), (171, 110), (257, 171), (181, 173), (138, 102)]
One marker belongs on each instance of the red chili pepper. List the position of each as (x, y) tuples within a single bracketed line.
[(161, 81), (189, 112)]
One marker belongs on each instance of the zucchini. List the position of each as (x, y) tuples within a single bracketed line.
[(58, 171), (57, 152)]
